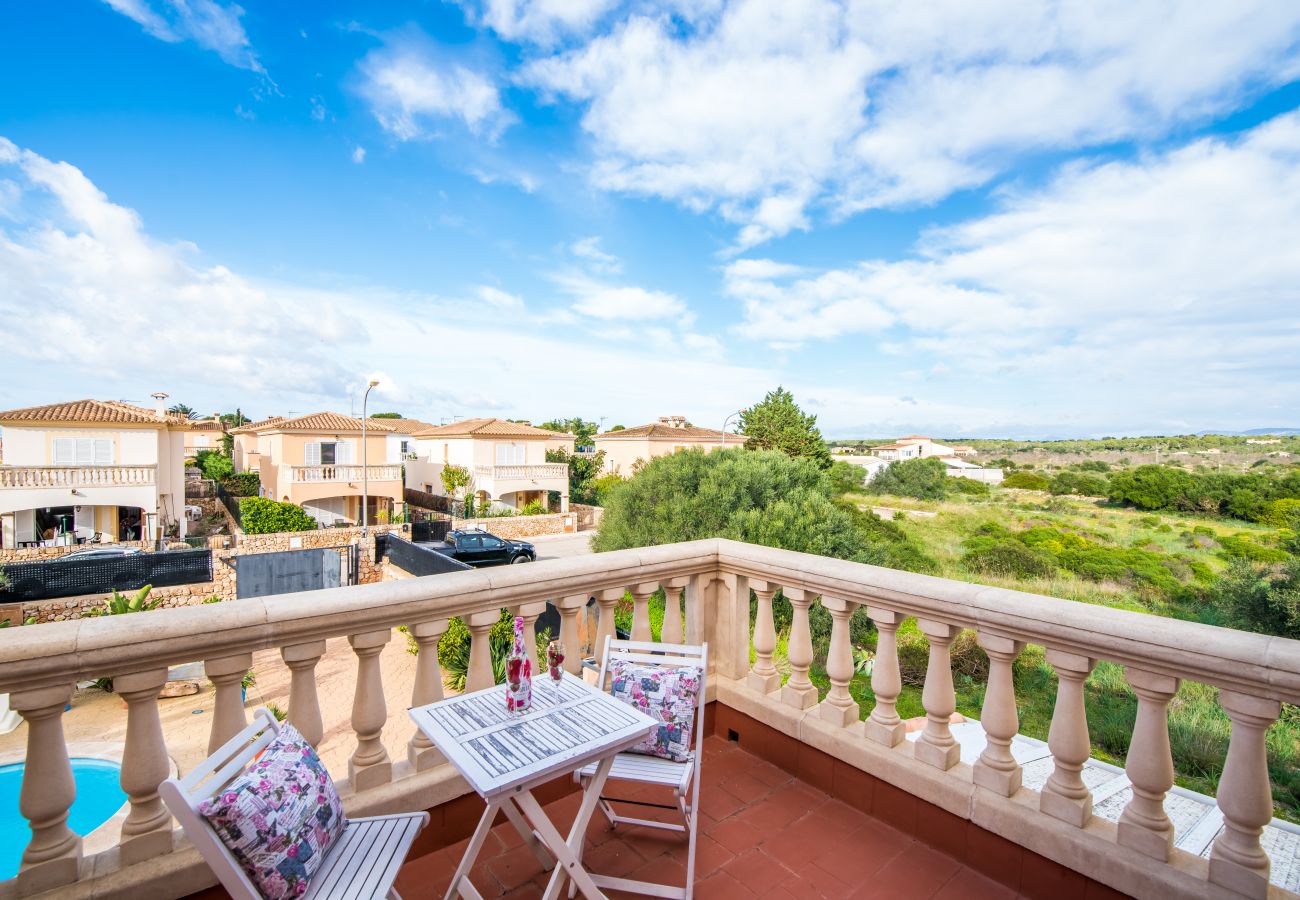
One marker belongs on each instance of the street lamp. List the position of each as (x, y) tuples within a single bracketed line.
[(736, 415), (365, 469)]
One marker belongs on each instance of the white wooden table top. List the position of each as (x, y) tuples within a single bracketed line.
[(497, 751)]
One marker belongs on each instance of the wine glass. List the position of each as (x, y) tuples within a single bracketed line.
[(555, 665)]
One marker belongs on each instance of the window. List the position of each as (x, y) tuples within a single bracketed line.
[(83, 452), (328, 453), (201, 440), (492, 543), (406, 447), (510, 454)]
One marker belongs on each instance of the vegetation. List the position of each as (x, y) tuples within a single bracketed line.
[(259, 515), (180, 409), (1026, 481), (454, 647), (1254, 497), (118, 604), (242, 484), (777, 423), (584, 471), (1263, 598), (924, 479), (214, 464), (845, 478), (456, 481), (582, 430), (386, 415)]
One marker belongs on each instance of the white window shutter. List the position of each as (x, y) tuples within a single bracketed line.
[(65, 453), (103, 452), (344, 453), (311, 454), (85, 452)]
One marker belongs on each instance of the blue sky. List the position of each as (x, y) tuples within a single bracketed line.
[(1021, 219)]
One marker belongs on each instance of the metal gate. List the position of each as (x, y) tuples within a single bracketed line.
[(291, 571)]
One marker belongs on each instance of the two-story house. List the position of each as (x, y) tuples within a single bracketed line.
[(91, 467), (914, 446), (203, 434), (628, 447), (507, 461), (316, 462)]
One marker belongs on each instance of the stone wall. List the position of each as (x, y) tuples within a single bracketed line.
[(36, 554), (520, 527), (588, 516)]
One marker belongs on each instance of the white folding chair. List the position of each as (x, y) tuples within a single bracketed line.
[(682, 778), (362, 864)]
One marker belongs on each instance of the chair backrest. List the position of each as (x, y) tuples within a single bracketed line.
[(183, 797), (670, 655)]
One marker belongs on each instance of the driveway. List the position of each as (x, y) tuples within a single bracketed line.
[(558, 546)]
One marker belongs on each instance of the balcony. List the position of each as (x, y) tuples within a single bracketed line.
[(889, 805), (524, 473), (76, 476), (344, 473)]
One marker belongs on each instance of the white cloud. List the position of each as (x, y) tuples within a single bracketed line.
[(209, 24), (519, 178), (612, 302), (414, 87), (499, 299), (588, 249), (358, 154), (771, 109), (536, 21)]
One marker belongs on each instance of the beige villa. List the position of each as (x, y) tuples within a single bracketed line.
[(315, 461), (627, 447), (507, 461), (92, 470), (203, 434)]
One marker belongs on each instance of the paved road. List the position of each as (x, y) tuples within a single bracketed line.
[(557, 546)]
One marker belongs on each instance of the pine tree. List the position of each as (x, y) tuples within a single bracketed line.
[(779, 424)]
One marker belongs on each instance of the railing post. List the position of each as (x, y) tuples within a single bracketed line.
[(799, 691), (936, 745), (605, 601), (1065, 796), (694, 602), (883, 725), (1144, 825), (420, 751), (304, 704), (996, 769), (641, 610), (228, 718), (764, 677), (530, 612), (674, 627), (480, 674), (569, 608), (369, 765), (1237, 861), (53, 855), (147, 831), (839, 706)]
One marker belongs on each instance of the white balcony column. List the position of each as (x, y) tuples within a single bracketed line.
[(996, 769), (569, 608), (764, 677), (799, 691), (53, 855), (695, 605), (420, 751), (530, 612), (727, 624), (369, 765), (673, 630), (564, 501), (480, 674), (641, 610), (936, 745), (226, 674), (1065, 796), (304, 704), (1144, 825), (1237, 861), (839, 706), (147, 831), (883, 725), (605, 602)]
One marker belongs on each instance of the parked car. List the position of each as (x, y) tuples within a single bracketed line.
[(478, 548), (110, 552)]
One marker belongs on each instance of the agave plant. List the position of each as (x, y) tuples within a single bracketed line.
[(119, 604)]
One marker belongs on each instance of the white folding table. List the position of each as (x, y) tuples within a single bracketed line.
[(504, 757)]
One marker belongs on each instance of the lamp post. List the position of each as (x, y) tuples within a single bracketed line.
[(365, 468), (725, 422)]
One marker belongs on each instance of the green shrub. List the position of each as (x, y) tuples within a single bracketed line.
[(242, 484), (845, 477), (454, 648), (967, 486), (533, 508), (1263, 598), (258, 515), (1008, 558), (1284, 513), (1084, 485), (214, 464), (1240, 546), (924, 479), (1025, 481)]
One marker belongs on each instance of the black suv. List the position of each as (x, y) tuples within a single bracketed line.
[(478, 548)]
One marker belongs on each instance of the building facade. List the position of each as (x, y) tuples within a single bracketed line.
[(628, 448)]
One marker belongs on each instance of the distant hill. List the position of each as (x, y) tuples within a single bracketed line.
[(1254, 432)]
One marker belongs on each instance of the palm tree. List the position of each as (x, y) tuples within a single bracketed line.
[(180, 409)]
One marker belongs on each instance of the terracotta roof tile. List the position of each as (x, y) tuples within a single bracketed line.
[(658, 431), (93, 411), (256, 426), (327, 422), (490, 428), (404, 426)]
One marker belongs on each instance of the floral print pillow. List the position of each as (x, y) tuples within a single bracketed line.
[(669, 694), (280, 817)]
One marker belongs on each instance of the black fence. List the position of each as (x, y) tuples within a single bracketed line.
[(430, 530), (70, 576), (413, 558)]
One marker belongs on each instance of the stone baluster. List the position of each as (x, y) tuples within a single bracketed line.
[(641, 610), (228, 718), (147, 831), (1065, 796), (530, 612), (606, 601), (369, 765), (420, 751), (996, 769), (764, 677), (674, 627), (304, 704), (480, 674), (1237, 861), (799, 691), (936, 745), (569, 608), (1143, 825), (53, 855), (695, 608), (883, 725), (839, 706)]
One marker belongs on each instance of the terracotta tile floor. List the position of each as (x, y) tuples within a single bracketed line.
[(765, 834)]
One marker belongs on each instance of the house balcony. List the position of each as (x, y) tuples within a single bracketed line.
[(804, 795), (545, 471), (45, 477), (344, 473)]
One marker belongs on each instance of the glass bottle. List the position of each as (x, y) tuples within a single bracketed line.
[(519, 672)]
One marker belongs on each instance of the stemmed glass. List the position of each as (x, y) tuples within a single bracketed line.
[(555, 665)]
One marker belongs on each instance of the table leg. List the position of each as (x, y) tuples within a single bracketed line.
[(569, 853), (460, 884), (528, 834)]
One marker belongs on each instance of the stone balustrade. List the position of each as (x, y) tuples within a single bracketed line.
[(76, 476), (528, 473), (709, 587), (345, 473)]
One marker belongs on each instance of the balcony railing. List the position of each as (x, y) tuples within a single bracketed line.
[(312, 474), (529, 473), (716, 582), (76, 476)]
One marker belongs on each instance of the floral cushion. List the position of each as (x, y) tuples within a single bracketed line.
[(280, 817), (667, 694)]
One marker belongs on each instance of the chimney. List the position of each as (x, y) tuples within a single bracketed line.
[(673, 421), (160, 403)]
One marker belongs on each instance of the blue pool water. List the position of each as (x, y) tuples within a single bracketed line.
[(98, 796)]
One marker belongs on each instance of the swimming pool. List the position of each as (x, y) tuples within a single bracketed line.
[(98, 796)]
